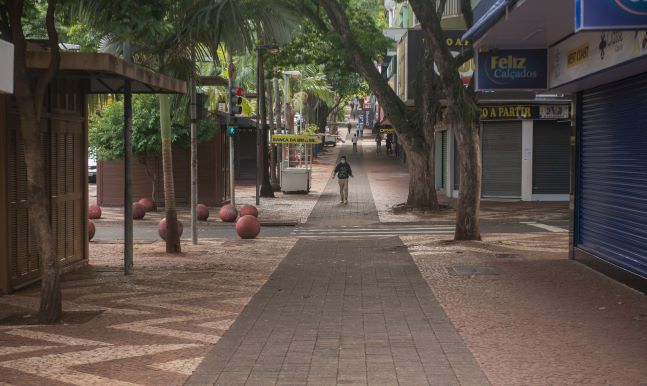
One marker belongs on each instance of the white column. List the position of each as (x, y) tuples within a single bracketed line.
[(526, 159), (449, 165)]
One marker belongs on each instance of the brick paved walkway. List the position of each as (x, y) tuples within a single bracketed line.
[(342, 312), (360, 209)]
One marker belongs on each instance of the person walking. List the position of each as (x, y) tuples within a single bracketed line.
[(343, 171), (378, 142), (354, 139), (389, 144)]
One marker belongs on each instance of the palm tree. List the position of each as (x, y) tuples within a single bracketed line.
[(178, 31)]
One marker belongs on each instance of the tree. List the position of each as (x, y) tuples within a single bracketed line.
[(461, 115), (147, 145), (356, 32), (314, 48), (30, 95)]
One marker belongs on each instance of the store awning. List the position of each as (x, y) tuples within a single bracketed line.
[(490, 18), (107, 73)]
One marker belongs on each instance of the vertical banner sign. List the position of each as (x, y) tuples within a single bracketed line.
[(456, 44), (610, 15), (512, 70)]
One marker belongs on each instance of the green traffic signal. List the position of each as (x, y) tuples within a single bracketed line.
[(232, 131)]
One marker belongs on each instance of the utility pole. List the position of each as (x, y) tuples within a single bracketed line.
[(128, 169), (194, 153)]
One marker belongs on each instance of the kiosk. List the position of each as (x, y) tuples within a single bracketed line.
[(296, 161)]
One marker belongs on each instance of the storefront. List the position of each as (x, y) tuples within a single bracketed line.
[(525, 153), (598, 53)]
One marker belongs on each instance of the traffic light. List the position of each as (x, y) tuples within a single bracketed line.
[(232, 131), (236, 101)]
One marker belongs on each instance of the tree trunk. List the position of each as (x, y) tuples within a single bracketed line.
[(39, 208), (469, 196), (415, 133), (277, 114), (173, 237), (422, 192), (323, 112), (461, 119), (266, 186), (290, 117), (30, 98), (271, 102)]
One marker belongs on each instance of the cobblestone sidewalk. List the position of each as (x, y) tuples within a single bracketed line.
[(152, 328)]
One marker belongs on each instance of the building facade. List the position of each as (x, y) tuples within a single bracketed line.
[(597, 53)]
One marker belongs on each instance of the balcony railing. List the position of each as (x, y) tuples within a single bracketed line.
[(452, 8)]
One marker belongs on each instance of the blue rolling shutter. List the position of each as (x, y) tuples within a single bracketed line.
[(612, 187)]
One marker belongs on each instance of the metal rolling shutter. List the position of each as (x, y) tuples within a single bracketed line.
[(551, 157), (612, 183), (502, 159)]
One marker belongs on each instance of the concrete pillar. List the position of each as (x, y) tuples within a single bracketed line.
[(526, 160), (449, 172)]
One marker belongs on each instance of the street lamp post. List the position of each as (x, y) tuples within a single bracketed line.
[(261, 134)]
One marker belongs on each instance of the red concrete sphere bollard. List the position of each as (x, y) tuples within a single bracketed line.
[(248, 210), (91, 229), (147, 203), (228, 213), (94, 212), (138, 211), (248, 227), (161, 228), (202, 212)]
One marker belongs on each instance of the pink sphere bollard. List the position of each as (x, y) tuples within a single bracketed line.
[(228, 213), (162, 228), (202, 212), (248, 227), (248, 210), (147, 203), (138, 211), (91, 229), (94, 212)]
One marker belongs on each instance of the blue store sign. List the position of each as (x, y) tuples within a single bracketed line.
[(610, 14), (512, 70)]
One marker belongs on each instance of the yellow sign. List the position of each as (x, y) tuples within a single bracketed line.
[(507, 112), (293, 138), (387, 130), (577, 56)]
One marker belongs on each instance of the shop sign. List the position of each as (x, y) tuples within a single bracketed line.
[(512, 70), (514, 112), (387, 130), (295, 139), (610, 15), (492, 113), (586, 53), (456, 44), (554, 112)]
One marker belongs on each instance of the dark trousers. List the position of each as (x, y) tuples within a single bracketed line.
[(354, 148)]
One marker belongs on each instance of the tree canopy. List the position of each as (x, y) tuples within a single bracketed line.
[(106, 137)]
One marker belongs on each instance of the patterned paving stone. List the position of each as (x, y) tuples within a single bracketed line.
[(342, 311)]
